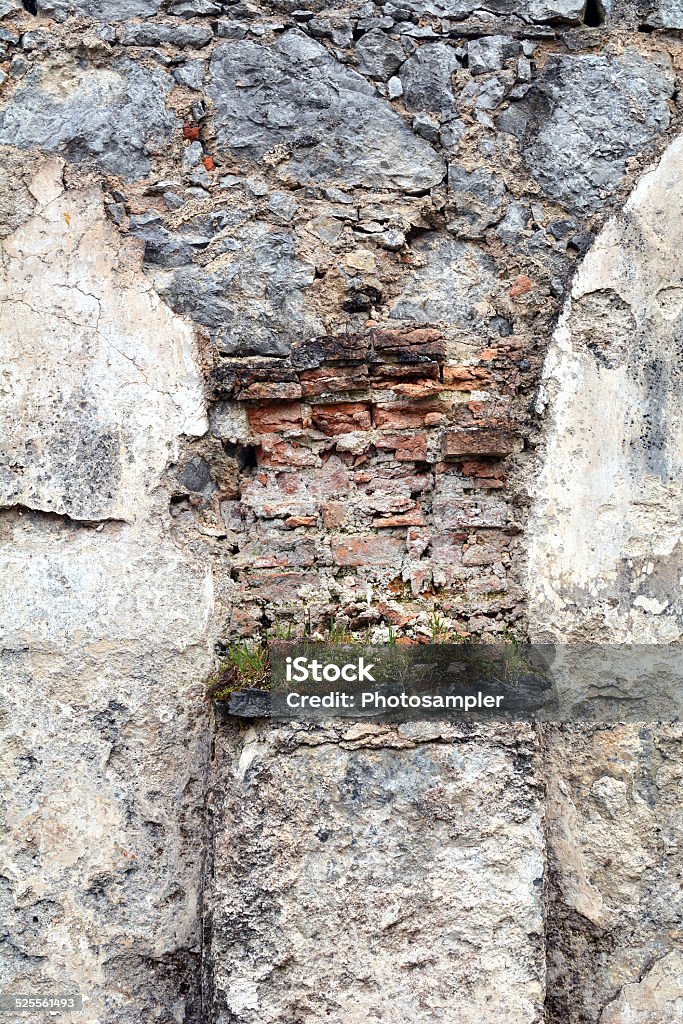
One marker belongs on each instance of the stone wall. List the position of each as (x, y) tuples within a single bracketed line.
[(294, 339)]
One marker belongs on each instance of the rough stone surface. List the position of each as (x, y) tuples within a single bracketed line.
[(112, 117), (586, 117), (255, 219), (605, 546), (614, 832), (392, 839), (104, 623), (325, 115)]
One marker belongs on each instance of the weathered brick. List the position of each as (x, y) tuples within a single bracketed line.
[(477, 441), (292, 522), (465, 513), (466, 378), (342, 417), (273, 451), (369, 550), (399, 415), (406, 447), (412, 518), (427, 370), (259, 391), (489, 475), (334, 514), (410, 343), (270, 418), (333, 380)]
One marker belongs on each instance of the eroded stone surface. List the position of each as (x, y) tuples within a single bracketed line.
[(586, 117), (112, 116), (606, 540), (353, 877), (100, 413), (614, 838), (332, 126), (105, 624)]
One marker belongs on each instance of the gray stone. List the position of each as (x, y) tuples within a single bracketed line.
[(327, 115), (283, 206), (379, 54), (449, 288), (193, 8), (483, 94), (490, 53), (426, 126), (584, 119), (192, 154), (475, 200), (159, 32), (513, 227), (256, 304), (113, 117), (231, 30), (666, 14), (191, 74), (8, 7), (161, 245), (102, 10), (365, 869), (426, 78), (394, 88), (570, 11)]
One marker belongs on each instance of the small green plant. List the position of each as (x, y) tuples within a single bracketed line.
[(338, 634), (242, 667), (438, 627), (280, 632), (391, 639)]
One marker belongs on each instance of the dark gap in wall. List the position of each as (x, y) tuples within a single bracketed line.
[(31, 6), (594, 14)]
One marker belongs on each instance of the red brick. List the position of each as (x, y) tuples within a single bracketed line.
[(367, 550), (342, 417), (522, 284), (485, 441), (190, 132), (466, 378), (406, 447), (268, 390), (270, 418), (424, 341), (273, 451), (333, 380), (412, 518), (292, 522), (398, 416), (334, 514)]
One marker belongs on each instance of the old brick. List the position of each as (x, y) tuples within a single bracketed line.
[(282, 586), (521, 286), (466, 378), (399, 415), (273, 451), (342, 417), (427, 370), (412, 518), (272, 417), (274, 549), (485, 441), (406, 447), (368, 550), (340, 348), (333, 380), (334, 514), (268, 391), (490, 475), (292, 522), (408, 344), (483, 554), (465, 513)]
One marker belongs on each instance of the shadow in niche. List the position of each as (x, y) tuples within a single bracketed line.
[(594, 15)]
